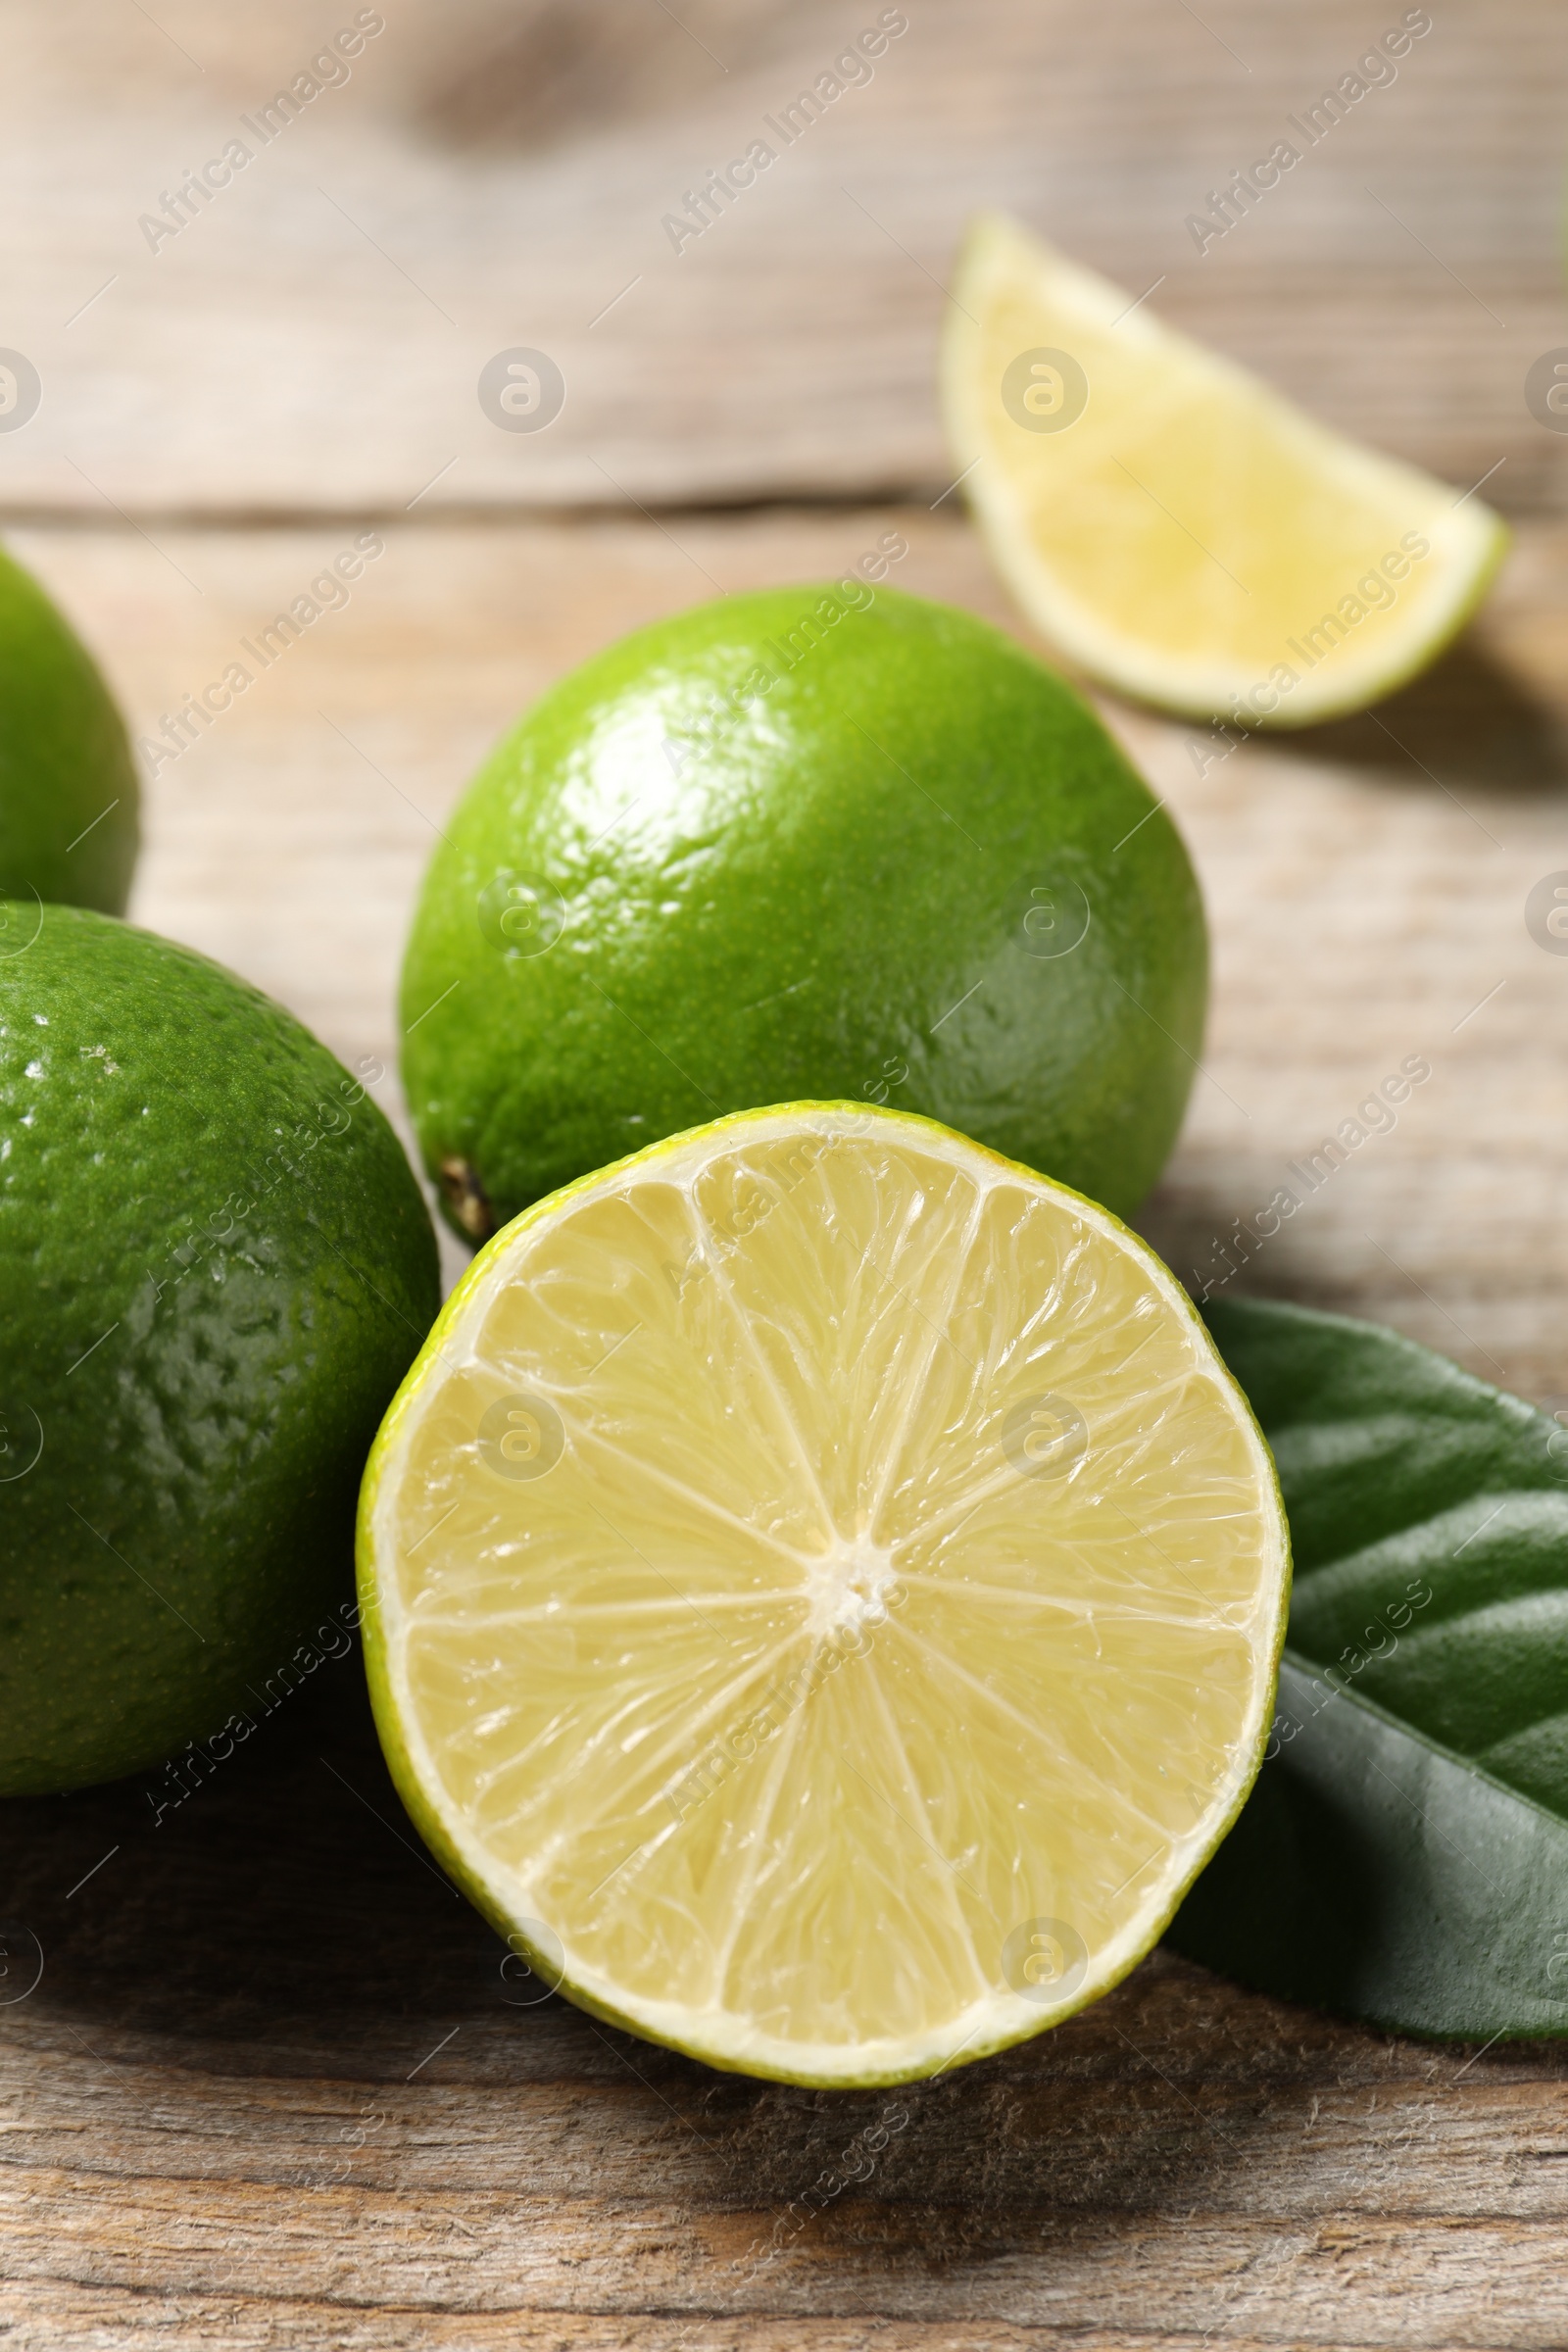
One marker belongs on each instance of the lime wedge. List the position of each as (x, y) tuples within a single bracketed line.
[(1177, 528), (824, 1593)]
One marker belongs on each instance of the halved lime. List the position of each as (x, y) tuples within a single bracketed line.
[(822, 1593), (1176, 526)]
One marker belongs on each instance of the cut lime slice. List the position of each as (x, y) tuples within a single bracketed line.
[(822, 1594), (1172, 525)]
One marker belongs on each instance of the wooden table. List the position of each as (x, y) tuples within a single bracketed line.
[(269, 2089)]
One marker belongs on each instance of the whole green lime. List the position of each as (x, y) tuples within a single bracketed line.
[(813, 844), (68, 782), (215, 1267)]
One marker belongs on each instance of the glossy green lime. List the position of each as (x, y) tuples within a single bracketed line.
[(215, 1267), (817, 843), (67, 783)]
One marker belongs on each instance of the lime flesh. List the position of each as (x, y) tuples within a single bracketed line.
[(1175, 526), (822, 1594)]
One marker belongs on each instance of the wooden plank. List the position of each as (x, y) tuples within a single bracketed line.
[(272, 2066), (1365, 882), (270, 2089), (494, 177)]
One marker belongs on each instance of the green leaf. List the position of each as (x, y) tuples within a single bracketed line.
[(1403, 1856)]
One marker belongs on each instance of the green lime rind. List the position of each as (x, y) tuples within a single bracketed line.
[(420, 1800), (756, 854), (216, 1264), (68, 794)]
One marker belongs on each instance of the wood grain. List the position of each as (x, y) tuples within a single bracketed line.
[(270, 2091), (270, 2084), (496, 176), (1365, 882)]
